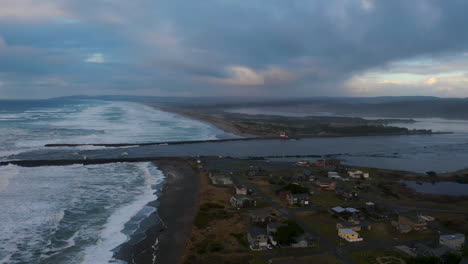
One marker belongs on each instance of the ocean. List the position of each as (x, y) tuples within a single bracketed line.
[(79, 214)]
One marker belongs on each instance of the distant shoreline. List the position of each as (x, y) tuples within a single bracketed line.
[(233, 128)]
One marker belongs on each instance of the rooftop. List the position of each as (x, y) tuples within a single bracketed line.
[(348, 231), (240, 196), (261, 213), (256, 231), (338, 209), (453, 236), (301, 195), (352, 210)]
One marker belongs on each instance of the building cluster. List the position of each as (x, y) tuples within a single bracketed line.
[(406, 223), (264, 225), (307, 180), (448, 244)]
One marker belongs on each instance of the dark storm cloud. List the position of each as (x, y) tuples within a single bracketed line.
[(222, 47)]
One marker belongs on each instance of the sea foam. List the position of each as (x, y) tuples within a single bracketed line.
[(111, 235)]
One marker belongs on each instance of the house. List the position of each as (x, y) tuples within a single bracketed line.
[(257, 238), (298, 198), (453, 241), (341, 210), (242, 201), (262, 216), (326, 184), (352, 210), (283, 195), (240, 189), (283, 135), (300, 242), (338, 210), (422, 250), (409, 222), (349, 235), (327, 163), (347, 194), (377, 211), (303, 163), (334, 175), (357, 174), (354, 224), (220, 178)]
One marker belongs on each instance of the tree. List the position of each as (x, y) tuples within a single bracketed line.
[(295, 188), (286, 234), (424, 260), (451, 258)]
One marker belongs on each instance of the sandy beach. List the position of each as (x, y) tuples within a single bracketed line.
[(177, 203), (220, 123)]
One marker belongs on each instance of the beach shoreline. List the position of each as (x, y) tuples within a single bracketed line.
[(164, 241), (228, 127)]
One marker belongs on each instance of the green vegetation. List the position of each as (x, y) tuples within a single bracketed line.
[(240, 239), (209, 212), (465, 252), (359, 130), (424, 260), (462, 179), (322, 221), (371, 256), (286, 234), (449, 258), (295, 188), (387, 190), (207, 246)]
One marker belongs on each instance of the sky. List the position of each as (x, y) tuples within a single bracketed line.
[(292, 48)]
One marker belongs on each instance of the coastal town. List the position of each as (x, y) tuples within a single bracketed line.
[(319, 211)]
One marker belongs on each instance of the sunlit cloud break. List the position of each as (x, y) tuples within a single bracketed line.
[(96, 58)]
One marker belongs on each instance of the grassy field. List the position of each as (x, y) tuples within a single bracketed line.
[(316, 259), (455, 222), (218, 235), (387, 256), (322, 222), (329, 198), (385, 232)]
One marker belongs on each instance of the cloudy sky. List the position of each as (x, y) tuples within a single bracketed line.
[(231, 47)]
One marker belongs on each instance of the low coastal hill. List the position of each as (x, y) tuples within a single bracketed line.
[(386, 106)]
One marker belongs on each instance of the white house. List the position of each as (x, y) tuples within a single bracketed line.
[(357, 174), (257, 238)]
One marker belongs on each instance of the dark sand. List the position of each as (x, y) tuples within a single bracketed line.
[(177, 205)]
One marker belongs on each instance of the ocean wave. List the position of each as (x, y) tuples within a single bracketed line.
[(112, 236), (6, 173), (107, 122)]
